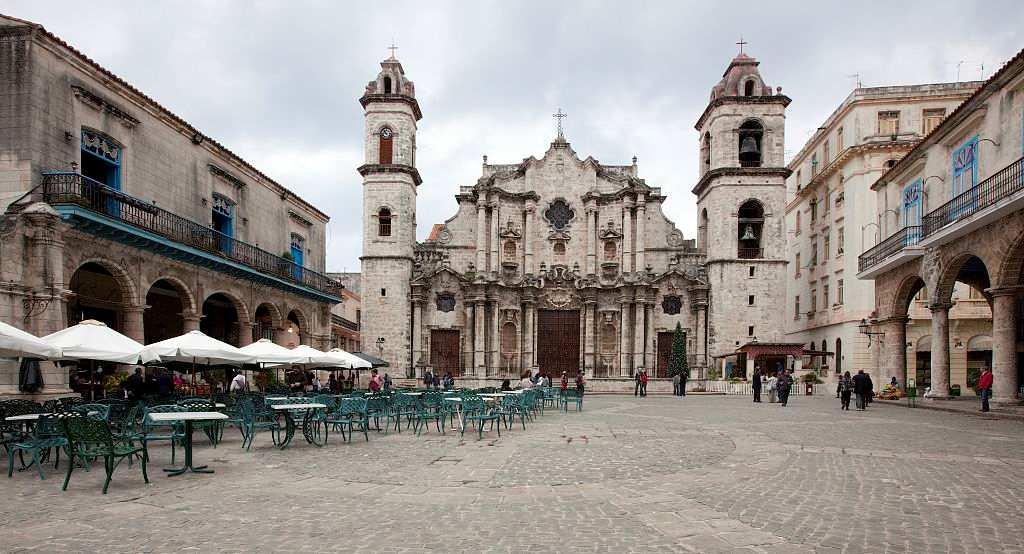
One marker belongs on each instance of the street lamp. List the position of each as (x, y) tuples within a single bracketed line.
[(865, 329), (877, 233)]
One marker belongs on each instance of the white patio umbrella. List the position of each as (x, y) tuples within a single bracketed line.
[(348, 360), (198, 348), (15, 343), (93, 340), (269, 352)]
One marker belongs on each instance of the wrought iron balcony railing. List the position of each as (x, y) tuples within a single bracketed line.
[(1000, 185), (750, 253), (907, 236), (76, 189)]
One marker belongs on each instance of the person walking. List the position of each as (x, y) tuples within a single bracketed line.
[(870, 394), (845, 388), (565, 381), (773, 388), (755, 385), (238, 384), (784, 384), (636, 384), (643, 383), (860, 389), (682, 383), (675, 385), (580, 383), (985, 388), (449, 381)]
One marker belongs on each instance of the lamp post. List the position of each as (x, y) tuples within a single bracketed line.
[(865, 329)]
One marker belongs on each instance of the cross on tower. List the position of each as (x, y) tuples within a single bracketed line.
[(741, 43), (558, 117), (392, 48)]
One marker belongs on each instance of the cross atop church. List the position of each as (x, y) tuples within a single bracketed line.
[(392, 48), (559, 116), (741, 43)]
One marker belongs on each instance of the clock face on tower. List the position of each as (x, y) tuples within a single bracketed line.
[(385, 133)]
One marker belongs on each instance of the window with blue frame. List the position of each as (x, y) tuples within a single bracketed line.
[(101, 159), (913, 210), (298, 254), (965, 175), (224, 222)]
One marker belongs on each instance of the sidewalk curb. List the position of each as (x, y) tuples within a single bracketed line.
[(925, 404)]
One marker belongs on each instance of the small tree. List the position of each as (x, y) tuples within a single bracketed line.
[(677, 361)]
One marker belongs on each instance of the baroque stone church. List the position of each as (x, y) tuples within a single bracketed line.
[(565, 263)]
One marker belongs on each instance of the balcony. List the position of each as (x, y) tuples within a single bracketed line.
[(750, 253), (98, 209), (988, 201), (891, 252)]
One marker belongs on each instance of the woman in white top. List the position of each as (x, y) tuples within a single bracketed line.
[(773, 381), (525, 382)]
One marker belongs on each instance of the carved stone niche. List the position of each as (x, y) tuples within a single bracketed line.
[(672, 304), (445, 301)]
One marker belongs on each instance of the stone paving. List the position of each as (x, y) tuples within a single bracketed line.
[(700, 474)]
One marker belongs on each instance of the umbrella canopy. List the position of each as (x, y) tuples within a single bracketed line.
[(199, 348), (266, 351), (15, 343), (374, 361), (348, 360), (93, 340), (313, 358)]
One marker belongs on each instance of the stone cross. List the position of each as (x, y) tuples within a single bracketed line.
[(741, 43), (558, 117), (392, 48)]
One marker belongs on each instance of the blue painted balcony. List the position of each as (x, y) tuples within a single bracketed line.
[(103, 211)]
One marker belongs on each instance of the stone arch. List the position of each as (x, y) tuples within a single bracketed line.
[(130, 291), (1011, 270), (300, 317), (276, 318), (966, 267), (905, 293), (187, 296), (923, 344), (240, 306)]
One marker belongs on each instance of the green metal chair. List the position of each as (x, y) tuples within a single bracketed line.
[(90, 438), (350, 412), (95, 411), (214, 430), (475, 409), (570, 396), (255, 417), (401, 406), (429, 409), (153, 431), (12, 431), (48, 435), (512, 405)]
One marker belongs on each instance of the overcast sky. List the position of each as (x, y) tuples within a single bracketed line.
[(279, 82)]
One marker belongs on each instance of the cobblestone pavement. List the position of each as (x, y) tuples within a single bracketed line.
[(700, 474)]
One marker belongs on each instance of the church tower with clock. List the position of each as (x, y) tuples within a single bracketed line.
[(390, 179), (741, 196)]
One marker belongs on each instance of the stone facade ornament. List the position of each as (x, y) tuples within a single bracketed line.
[(445, 302), (672, 305), (675, 238), (559, 214)]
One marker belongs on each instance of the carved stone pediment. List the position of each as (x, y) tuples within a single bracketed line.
[(610, 231), (560, 299), (510, 231), (559, 276)]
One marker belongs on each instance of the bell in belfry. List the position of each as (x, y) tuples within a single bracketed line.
[(748, 150), (748, 233)]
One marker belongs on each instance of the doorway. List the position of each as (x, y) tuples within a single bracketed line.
[(558, 341)]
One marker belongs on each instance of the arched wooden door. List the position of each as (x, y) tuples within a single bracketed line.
[(558, 342)]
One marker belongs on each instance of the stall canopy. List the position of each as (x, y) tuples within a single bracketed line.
[(15, 343), (198, 348), (93, 340)]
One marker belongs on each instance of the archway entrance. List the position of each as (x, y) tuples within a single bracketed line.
[(264, 323), (220, 319), (97, 295), (293, 330), (558, 342), (163, 317)]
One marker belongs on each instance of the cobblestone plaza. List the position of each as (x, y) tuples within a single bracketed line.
[(700, 474)]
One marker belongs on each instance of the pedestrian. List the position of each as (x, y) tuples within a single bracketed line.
[(860, 389), (985, 388), (784, 384), (238, 384), (375, 383), (845, 388), (526, 382), (755, 385), (428, 379), (643, 383), (580, 383), (449, 381), (676, 380), (870, 389), (164, 384), (682, 382), (565, 381), (506, 386), (773, 387), (636, 384), (332, 383), (134, 385), (387, 382)]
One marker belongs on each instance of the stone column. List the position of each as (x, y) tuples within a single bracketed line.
[(627, 237), (589, 320), (133, 324), (641, 226), (940, 351), (591, 242), (417, 334), (191, 322), (479, 362), (1004, 346), (531, 210), (495, 266), (467, 339), (649, 337), (624, 358), (639, 318), (495, 337), (528, 333), (894, 346), (244, 333), (481, 234)]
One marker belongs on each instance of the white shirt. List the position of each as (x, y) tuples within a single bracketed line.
[(526, 383), (238, 383)]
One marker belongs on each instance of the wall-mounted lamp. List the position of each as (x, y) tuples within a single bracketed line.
[(994, 143), (69, 136), (865, 329), (380, 344), (958, 344), (197, 138)]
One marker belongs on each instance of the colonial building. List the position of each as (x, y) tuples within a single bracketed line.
[(562, 263), (831, 213), (116, 209), (346, 315), (958, 195)]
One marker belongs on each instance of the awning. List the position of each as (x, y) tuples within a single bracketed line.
[(757, 350), (374, 361)]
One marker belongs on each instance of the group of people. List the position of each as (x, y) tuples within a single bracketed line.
[(860, 385), (432, 381), (778, 385), (159, 382), (640, 383)]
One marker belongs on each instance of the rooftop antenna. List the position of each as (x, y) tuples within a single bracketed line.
[(856, 77)]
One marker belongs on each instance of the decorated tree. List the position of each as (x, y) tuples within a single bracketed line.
[(677, 361)]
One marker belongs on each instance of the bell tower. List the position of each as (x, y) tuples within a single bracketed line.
[(390, 179), (741, 196)]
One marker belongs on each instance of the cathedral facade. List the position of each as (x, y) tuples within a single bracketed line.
[(565, 264)]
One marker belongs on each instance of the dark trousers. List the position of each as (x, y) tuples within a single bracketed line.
[(643, 389), (682, 388), (784, 395), (675, 389), (757, 395), (636, 389), (845, 399), (986, 394)]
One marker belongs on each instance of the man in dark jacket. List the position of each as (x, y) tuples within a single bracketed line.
[(135, 384), (783, 386), (755, 385), (861, 384)]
